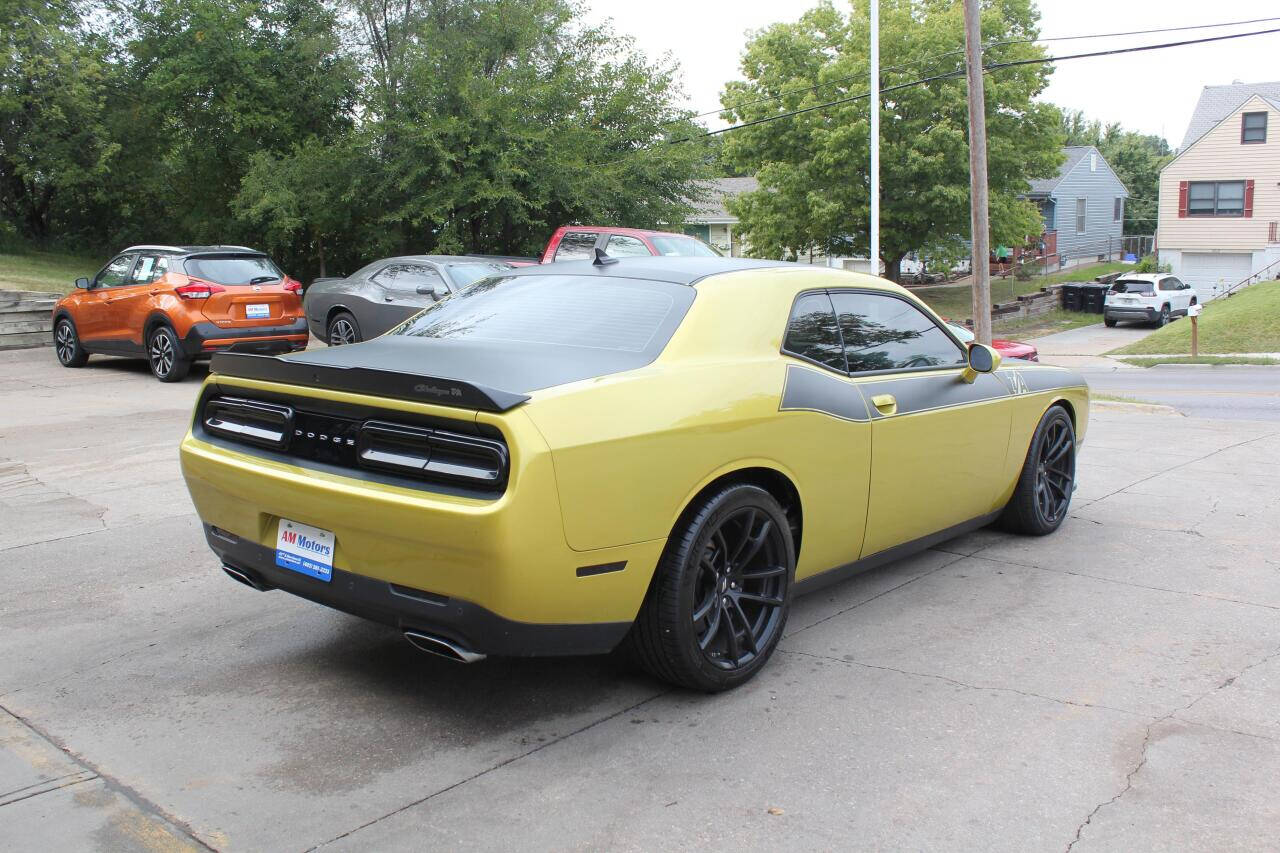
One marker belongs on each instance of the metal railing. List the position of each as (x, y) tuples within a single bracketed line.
[(1253, 277)]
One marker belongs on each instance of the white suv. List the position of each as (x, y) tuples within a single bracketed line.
[(1149, 297)]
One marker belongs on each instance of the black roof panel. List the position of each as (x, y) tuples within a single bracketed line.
[(673, 270)]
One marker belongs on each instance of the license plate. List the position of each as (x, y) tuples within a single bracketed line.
[(257, 312), (305, 549)]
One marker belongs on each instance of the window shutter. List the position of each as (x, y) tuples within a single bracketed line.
[(1182, 199), (1248, 198)]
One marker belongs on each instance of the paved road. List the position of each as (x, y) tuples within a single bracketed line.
[(1234, 392), (1111, 687)]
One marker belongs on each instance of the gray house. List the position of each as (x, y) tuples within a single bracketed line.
[(1082, 206)]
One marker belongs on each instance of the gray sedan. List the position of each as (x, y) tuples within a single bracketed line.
[(385, 293)]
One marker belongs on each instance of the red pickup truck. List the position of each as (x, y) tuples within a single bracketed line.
[(579, 242)]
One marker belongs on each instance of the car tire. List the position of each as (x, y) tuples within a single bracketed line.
[(1162, 319), (342, 329), (731, 559), (1042, 496), (164, 354), (66, 344), (1109, 322)]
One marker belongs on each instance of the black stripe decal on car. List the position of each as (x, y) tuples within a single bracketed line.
[(935, 391), (808, 390)]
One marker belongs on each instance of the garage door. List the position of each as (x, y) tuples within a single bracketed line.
[(1210, 273)]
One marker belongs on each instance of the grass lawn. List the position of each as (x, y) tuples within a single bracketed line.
[(1139, 361), (48, 271), (956, 303), (1248, 321), (1057, 320)]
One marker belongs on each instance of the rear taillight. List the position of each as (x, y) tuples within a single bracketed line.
[(1151, 295), (250, 421), (293, 286), (197, 289), (432, 454)]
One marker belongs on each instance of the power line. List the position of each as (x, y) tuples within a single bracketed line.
[(953, 74), (985, 47)]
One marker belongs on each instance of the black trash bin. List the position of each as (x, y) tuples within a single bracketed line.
[(1071, 297), (1093, 296)]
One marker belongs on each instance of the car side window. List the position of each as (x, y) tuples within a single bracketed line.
[(622, 246), (410, 277), (115, 273), (883, 332), (576, 246), (812, 332), (148, 269)]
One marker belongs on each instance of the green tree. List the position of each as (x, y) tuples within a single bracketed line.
[(54, 149), (814, 168)]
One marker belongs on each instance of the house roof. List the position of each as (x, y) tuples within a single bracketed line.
[(1218, 102), (713, 208), (1044, 186)]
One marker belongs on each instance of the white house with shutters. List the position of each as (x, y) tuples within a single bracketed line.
[(1219, 215)]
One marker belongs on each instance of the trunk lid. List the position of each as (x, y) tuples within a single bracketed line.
[(252, 290)]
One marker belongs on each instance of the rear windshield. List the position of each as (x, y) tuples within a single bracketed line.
[(683, 247), (559, 312), (1132, 287), (233, 269)]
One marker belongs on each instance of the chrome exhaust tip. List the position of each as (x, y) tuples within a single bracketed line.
[(442, 647), (244, 578)]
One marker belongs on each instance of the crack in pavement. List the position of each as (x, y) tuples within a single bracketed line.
[(958, 683), (112, 783), (958, 558), (1007, 562), (46, 787), (501, 764), (1146, 742)]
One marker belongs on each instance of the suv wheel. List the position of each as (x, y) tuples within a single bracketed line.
[(1162, 319), (719, 600), (66, 344), (1109, 321), (168, 363)]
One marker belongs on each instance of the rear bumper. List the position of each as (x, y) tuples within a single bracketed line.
[(467, 624), (208, 338), (1118, 312)]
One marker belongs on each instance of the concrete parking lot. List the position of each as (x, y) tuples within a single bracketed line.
[(1115, 686)]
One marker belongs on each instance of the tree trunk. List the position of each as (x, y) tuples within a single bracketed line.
[(320, 252), (893, 269)]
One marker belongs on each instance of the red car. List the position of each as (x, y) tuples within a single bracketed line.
[(579, 242), (1007, 349)]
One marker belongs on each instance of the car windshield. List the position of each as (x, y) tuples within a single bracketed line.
[(1132, 287), (558, 311), (465, 274), (233, 269), (962, 334), (683, 247)]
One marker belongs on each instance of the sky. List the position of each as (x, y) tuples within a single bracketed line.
[(1152, 92)]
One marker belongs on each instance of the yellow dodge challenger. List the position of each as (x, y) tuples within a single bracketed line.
[(651, 452)]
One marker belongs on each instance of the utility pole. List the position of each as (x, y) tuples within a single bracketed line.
[(980, 249), (875, 137)]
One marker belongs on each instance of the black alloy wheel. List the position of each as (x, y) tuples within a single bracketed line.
[(66, 344), (1043, 494), (1163, 319), (741, 588), (343, 330), (167, 361), (719, 600)]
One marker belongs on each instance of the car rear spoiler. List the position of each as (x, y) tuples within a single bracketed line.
[(395, 384)]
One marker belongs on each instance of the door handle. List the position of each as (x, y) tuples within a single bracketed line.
[(886, 404), (388, 298)]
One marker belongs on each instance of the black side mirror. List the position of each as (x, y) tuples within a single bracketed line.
[(434, 292), (84, 283)]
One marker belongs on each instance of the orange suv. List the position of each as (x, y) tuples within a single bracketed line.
[(175, 304)]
